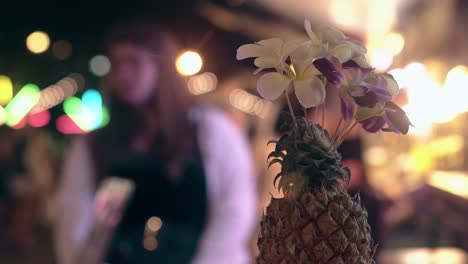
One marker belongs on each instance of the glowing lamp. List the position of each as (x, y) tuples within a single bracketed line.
[(38, 42), (189, 63)]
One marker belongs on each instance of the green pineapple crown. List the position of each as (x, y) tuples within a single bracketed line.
[(307, 157)]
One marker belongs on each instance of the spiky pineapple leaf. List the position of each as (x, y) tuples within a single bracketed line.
[(274, 161), (276, 178), (346, 175), (276, 154), (272, 142), (306, 150)]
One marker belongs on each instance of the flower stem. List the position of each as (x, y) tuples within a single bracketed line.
[(338, 143), (312, 114), (290, 108), (351, 128), (340, 133), (306, 115), (335, 136), (323, 118)]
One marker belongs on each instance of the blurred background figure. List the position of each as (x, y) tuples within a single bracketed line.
[(26, 162), (194, 184)]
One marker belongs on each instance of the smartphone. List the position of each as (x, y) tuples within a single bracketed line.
[(110, 202)]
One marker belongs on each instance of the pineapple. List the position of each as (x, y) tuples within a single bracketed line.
[(316, 221)]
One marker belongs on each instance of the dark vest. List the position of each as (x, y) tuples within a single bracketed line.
[(182, 207)]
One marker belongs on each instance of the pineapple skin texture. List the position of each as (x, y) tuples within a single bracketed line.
[(322, 225)]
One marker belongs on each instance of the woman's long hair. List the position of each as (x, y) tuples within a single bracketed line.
[(169, 105)]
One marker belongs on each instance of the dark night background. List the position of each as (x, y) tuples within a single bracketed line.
[(84, 23)]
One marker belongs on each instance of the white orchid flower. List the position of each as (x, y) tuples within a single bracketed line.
[(272, 53), (269, 53), (309, 89), (332, 42)]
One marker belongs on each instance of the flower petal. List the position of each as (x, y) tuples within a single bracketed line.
[(310, 92), (310, 71), (330, 71), (356, 46), (271, 85), (310, 33), (275, 44), (307, 52), (348, 107), (332, 35), (356, 75), (257, 71), (396, 118), (343, 52), (390, 84), (252, 50), (382, 94), (373, 124), (267, 62), (355, 90), (303, 56), (364, 113), (290, 46), (367, 100), (361, 60), (350, 64)]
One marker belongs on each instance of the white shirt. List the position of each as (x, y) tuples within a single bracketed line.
[(231, 186)]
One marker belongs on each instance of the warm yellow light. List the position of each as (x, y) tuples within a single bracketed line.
[(3, 116), (249, 103), (438, 255), (455, 91), (449, 255), (150, 243), (202, 83), (381, 59), (154, 224), (458, 72), (37, 42), (189, 63), (394, 42), (424, 92), (453, 182), (6, 89), (345, 13)]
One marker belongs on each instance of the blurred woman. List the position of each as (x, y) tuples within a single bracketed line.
[(190, 165)]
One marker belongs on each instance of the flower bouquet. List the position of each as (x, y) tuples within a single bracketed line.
[(317, 221)]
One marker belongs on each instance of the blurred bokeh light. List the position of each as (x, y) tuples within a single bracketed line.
[(62, 49), (2, 115), (154, 224), (99, 65), (65, 125), (6, 89), (22, 103), (189, 63), (39, 119), (38, 42), (202, 83)]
